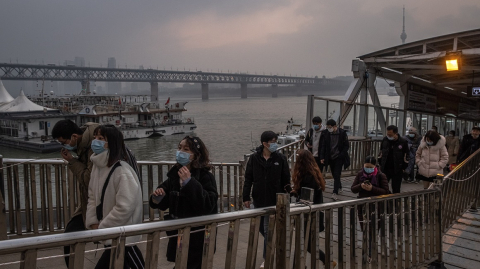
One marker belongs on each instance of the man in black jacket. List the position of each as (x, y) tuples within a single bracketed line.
[(268, 172), (394, 157), (312, 139), (334, 152), (470, 144)]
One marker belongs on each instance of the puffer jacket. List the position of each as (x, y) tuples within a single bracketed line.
[(122, 204), (431, 159)]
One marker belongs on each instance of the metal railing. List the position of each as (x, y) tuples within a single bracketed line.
[(41, 195), (460, 190), (398, 230), (408, 224)]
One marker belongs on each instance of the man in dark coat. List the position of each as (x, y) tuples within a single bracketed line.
[(267, 172), (470, 144), (197, 198), (394, 157), (312, 140), (334, 152)]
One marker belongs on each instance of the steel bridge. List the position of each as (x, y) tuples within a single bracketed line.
[(52, 72)]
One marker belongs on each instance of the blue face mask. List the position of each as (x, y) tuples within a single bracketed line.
[(429, 143), (98, 146), (68, 147), (411, 135), (182, 158), (369, 170), (316, 127), (273, 147)]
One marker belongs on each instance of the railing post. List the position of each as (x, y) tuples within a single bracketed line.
[(473, 208), (3, 215), (282, 219)]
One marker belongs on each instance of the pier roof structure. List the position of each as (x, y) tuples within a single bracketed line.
[(424, 60), (5, 97), (22, 104)]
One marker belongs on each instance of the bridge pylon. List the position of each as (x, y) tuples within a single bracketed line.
[(204, 91), (243, 90)]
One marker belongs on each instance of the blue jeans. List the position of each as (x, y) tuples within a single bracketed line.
[(264, 231)]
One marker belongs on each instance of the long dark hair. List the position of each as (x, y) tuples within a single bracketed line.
[(116, 144), (306, 165), (201, 157), (433, 136)]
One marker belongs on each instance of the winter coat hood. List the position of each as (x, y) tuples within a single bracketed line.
[(441, 143)]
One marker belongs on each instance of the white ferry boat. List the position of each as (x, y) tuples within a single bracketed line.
[(26, 122), (294, 132), (135, 115)]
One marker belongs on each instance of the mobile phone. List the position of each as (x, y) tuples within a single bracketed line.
[(157, 199), (367, 182)]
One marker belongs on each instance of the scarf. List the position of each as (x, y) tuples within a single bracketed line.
[(372, 177)]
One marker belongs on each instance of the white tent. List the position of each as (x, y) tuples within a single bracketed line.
[(5, 97), (20, 104)]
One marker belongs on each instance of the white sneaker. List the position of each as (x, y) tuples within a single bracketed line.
[(334, 197), (262, 265), (340, 190)]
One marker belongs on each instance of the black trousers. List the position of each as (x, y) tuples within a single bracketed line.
[(336, 170), (396, 181), (74, 225), (133, 259), (319, 164)]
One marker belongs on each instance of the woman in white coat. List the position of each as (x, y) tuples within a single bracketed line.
[(431, 157), (114, 193)]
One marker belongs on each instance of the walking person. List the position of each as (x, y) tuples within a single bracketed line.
[(267, 173), (306, 174), (431, 158), (114, 194), (413, 139), (470, 144), (78, 140), (370, 181), (394, 157), (312, 139), (189, 191), (334, 153), (453, 146)]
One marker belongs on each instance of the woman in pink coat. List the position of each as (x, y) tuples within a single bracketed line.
[(431, 157)]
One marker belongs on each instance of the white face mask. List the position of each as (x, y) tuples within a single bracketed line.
[(330, 130)]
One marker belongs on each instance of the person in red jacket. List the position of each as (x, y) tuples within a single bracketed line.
[(370, 181)]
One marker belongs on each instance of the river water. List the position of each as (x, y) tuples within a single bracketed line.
[(230, 127)]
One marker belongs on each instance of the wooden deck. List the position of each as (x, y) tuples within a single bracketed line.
[(461, 242)]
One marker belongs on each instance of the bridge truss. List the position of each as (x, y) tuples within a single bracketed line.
[(72, 73)]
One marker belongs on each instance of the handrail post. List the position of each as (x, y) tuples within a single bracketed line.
[(473, 208), (438, 229), (282, 219), (3, 215)]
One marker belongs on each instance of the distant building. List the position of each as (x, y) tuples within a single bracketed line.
[(113, 87)]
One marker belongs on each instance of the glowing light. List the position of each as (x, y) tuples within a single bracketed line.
[(452, 65)]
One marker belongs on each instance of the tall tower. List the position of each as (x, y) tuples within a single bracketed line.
[(403, 36)]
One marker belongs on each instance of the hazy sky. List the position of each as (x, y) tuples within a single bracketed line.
[(304, 37)]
